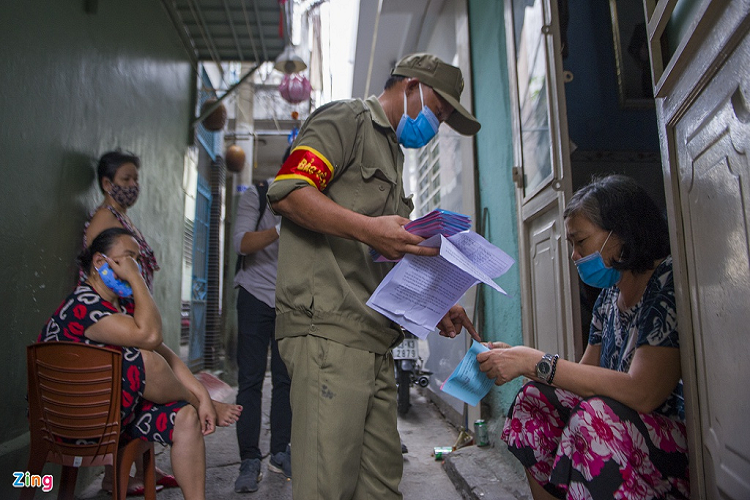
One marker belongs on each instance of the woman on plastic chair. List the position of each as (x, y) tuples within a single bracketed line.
[(113, 307), (117, 175)]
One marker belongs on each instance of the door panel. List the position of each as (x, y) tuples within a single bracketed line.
[(542, 174), (714, 189), (547, 307)]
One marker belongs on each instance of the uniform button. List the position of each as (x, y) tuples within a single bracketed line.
[(382, 188), (313, 328)]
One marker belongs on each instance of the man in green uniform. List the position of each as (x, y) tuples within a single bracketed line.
[(340, 193)]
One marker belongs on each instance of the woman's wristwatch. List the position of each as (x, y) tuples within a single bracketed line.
[(545, 368)]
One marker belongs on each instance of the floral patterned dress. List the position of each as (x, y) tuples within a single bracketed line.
[(598, 448), (141, 418)]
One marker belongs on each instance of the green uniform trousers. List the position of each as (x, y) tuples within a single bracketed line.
[(345, 442)]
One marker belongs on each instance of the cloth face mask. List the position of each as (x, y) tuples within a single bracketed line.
[(417, 132), (125, 196), (594, 272), (121, 287)]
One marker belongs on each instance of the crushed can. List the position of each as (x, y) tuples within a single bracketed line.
[(481, 435), (442, 452)]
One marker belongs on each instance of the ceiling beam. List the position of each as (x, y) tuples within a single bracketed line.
[(260, 31), (182, 31), (201, 25), (250, 33), (240, 55), (228, 30)]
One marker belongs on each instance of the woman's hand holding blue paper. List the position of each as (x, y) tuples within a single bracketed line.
[(504, 363)]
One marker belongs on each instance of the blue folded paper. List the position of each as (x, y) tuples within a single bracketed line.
[(467, 382)]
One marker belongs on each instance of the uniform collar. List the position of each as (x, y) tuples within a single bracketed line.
[(378, 113)]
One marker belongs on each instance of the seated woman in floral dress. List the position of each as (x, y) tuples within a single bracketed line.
[(161, 399), (117, 175), (612, 425)]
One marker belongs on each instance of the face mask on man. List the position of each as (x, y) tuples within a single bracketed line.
[(594, 272), (417, 132), (124, 196)]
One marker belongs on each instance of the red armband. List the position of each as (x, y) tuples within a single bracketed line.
[(307, 164)]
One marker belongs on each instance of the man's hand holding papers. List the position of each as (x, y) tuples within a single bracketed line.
[(419, 291), (438, 221)]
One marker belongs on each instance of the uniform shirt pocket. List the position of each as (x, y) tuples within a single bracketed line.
[(375, 192)]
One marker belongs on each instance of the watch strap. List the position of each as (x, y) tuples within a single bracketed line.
[(552, 371)]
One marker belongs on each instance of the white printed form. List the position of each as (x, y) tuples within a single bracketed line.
[(419, 291), (486, 256)]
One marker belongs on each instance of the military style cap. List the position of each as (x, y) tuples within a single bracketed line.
[(444, 79)]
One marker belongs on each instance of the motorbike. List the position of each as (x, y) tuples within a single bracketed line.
[(408, 371)]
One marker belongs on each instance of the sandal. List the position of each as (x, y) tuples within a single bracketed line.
[(141, 490), (138, 490), (167, 481)]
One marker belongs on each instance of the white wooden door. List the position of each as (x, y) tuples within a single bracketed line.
[(542, 175), (705, 118)]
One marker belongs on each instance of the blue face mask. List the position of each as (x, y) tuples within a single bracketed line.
[(120, 287), (417, 132), (594, 272)]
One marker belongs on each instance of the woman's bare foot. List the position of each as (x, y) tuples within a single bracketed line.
[(226, 413), (158, 474)]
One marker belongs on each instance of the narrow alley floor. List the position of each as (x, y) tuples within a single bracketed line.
[(469, 473)]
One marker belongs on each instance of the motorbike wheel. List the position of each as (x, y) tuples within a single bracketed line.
[(404, 383)]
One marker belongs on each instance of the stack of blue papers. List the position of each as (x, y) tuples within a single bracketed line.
[(438, 221)]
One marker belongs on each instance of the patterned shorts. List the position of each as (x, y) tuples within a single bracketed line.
[(141, 418), (596, 447)]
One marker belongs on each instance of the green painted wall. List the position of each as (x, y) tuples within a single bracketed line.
[(497, 202), (75, 85)]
